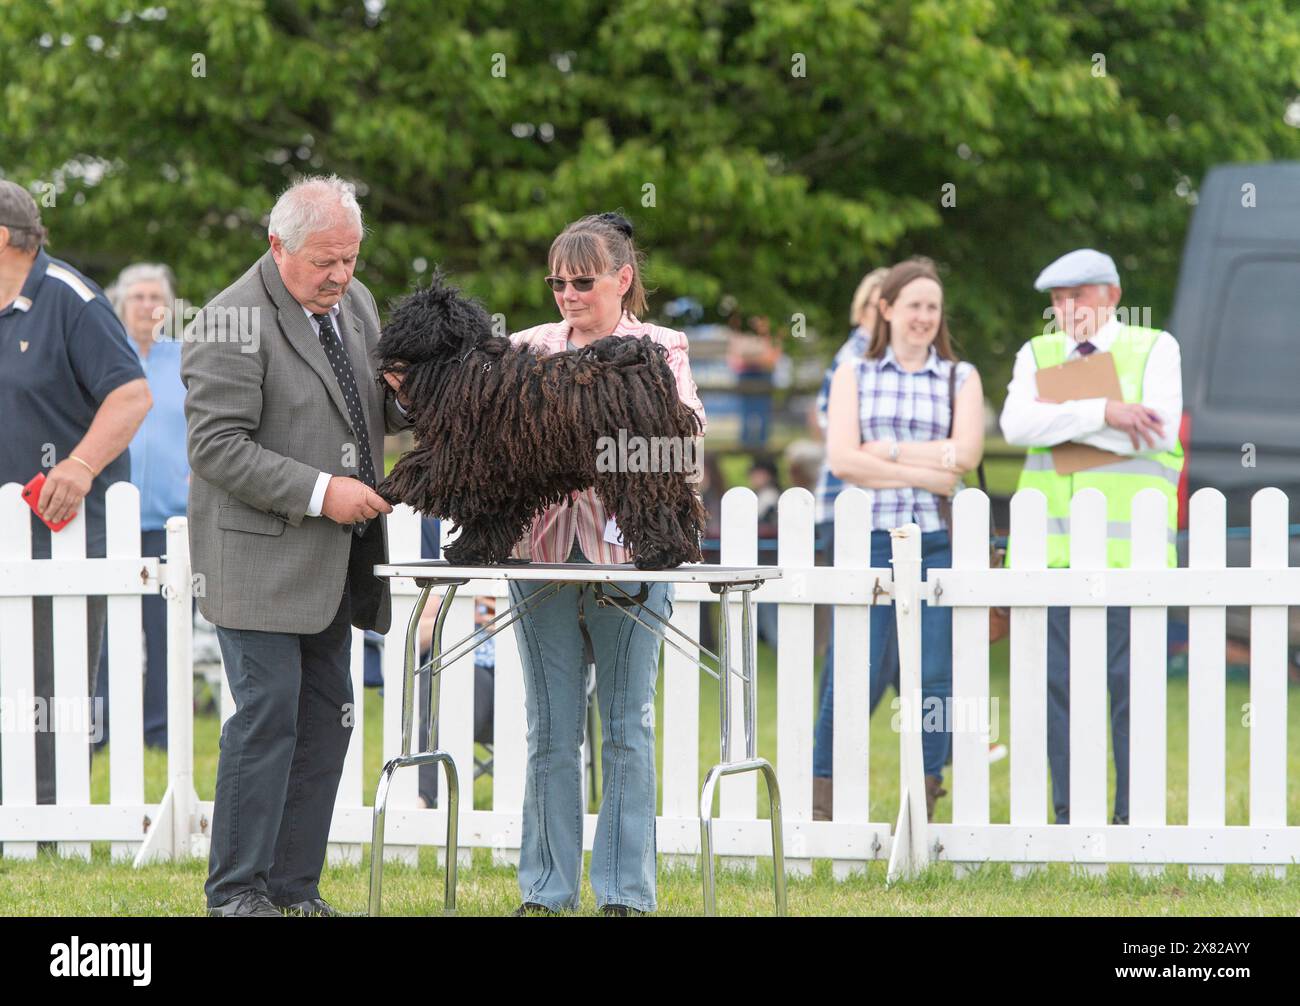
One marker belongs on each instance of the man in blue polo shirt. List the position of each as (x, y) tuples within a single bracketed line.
[(72, 395)]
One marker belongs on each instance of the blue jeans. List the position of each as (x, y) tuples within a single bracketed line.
[(936, 661), (623, 867)]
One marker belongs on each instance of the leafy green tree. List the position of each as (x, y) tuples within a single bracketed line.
[(772, 150)]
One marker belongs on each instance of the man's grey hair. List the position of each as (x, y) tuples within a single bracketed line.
[(314, 203), (140, 272)]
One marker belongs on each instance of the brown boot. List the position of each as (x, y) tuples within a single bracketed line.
[(823, 788), (933, 790)]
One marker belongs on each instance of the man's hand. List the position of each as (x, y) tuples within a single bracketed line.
[(65, 487), (395, 383), (1136, 420), (350, 501)]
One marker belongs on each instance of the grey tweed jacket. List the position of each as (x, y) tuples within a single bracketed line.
[(265, 416)]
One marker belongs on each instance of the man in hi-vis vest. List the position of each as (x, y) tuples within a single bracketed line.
[(1143, 427)]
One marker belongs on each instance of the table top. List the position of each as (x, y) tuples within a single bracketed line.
[(578, 572)]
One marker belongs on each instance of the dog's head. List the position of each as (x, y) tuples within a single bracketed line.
[(433, 325)]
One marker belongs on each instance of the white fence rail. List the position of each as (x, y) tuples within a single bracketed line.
[(180, 823)]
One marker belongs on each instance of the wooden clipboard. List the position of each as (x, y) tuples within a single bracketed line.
[(1092, 376)]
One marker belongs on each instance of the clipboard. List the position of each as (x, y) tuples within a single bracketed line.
[(1092, 376)]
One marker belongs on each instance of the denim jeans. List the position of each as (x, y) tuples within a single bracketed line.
[(936, 661), (623, 867)]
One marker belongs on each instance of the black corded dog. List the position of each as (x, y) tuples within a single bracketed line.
[(501, 433)]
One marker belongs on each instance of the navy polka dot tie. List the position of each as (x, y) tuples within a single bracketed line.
[(337, 357)]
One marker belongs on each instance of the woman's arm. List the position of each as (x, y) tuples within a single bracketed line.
[(963, 451), (844, 447)]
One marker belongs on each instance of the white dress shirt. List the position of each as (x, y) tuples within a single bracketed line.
[(1027, 422)]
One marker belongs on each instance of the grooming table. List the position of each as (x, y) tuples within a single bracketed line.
[(722, 580)]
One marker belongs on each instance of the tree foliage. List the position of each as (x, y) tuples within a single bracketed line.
[(772, 150)]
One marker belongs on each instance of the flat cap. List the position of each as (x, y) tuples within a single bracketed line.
[(1078, 268), (17, 207)]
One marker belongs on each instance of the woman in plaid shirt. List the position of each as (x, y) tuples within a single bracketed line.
[(887, 434), (596, 279)]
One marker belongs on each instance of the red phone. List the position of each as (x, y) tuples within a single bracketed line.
[(32, 494)]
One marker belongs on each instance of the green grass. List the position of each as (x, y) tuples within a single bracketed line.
[(49, 886)]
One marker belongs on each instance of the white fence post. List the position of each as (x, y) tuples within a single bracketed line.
[(1148, 674), (403, 792), (17, 669), (1206, 659), (911, 848), (1089, 648), (795, 711), (509, 742), (173, 830), (681, 725), (970, 711), (1028, 656), (71, 740), (1268, 672), (178, 592), (851, 628), (738, 794), (125, 666)]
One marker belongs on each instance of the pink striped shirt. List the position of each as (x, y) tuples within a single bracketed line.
[(550, 539)]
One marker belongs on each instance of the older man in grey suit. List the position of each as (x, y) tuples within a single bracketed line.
[(286, 430)]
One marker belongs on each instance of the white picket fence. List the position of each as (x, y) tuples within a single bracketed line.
[(180, 824)]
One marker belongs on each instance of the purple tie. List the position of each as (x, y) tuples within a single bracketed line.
[(1085, 348)]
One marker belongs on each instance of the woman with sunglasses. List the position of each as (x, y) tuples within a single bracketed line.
[(595, 275)]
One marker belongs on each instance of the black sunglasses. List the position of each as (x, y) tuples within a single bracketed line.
[(582, 284)]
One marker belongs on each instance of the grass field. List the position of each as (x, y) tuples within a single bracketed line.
[(50, 886)]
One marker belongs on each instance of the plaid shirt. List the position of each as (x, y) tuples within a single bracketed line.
[(828, 485), (894, 404), (550, 539)]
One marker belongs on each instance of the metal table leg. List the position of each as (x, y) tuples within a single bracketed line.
[(424, 757), (750, 763)]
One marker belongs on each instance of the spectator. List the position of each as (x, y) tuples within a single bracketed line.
[(862, 316), (596, 280), (74, 395), (766, 484), (1085, 291), (159, 469), (888, 432), (753, 356)]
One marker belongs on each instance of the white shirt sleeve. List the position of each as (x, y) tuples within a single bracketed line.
[(318, 494), (1027, 422)]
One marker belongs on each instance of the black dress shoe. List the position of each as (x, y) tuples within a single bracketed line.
[(532, 908), (619, 911), (250, 904), (312, 906)]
